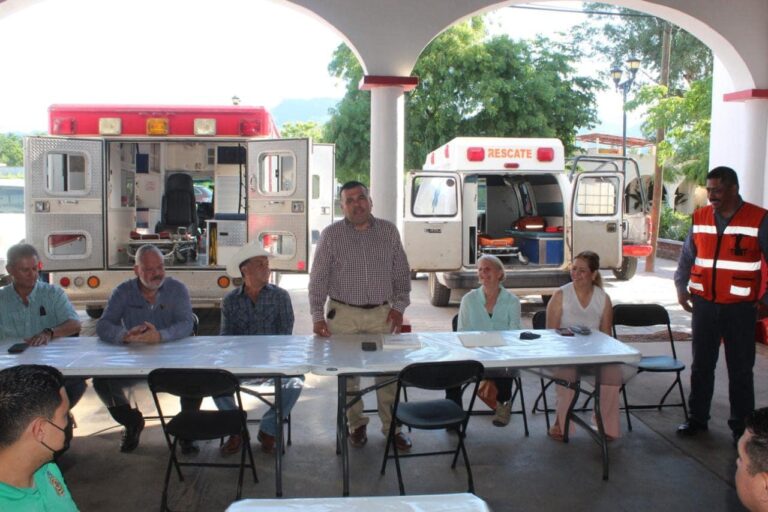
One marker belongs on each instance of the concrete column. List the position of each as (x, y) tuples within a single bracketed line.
[(739, 135), (388, 143), (750, 147), (755, 190), (387, 152)]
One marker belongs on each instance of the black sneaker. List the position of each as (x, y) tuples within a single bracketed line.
[(188, 447), (131, 436), (691, 428)]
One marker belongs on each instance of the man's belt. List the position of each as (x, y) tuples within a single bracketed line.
[(364, 306)]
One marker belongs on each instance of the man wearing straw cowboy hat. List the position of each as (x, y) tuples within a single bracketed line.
[(257, 307)]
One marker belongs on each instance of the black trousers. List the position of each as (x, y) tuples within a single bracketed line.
[(735, 325)]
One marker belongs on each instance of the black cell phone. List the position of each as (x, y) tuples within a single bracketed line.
[(564, 331), (369, 346), (17, 348)]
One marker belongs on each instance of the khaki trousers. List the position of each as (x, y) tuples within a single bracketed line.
[(343, 319)]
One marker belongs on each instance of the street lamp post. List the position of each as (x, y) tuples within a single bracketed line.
[(633, 64)]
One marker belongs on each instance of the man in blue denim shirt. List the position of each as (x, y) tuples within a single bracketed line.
[(148, 309), (257, 307)]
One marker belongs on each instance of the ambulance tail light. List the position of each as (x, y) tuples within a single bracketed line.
[(64, 126), (110, 126), (475, 154), (64, 282), (93, 282), (250, 128), (158, 126), (545, 154), (223, 281)]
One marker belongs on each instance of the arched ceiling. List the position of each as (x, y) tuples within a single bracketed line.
[(389, 35)]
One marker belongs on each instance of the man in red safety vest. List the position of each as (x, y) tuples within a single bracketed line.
[(718, 280)]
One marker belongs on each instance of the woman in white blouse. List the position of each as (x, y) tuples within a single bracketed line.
[(583, 302)]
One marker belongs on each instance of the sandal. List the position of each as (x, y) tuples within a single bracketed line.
[(555, 433)]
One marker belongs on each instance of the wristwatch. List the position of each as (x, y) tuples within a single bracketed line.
[(49, 331)]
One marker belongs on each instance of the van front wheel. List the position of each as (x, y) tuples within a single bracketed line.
[(627, 269), (439, 295)]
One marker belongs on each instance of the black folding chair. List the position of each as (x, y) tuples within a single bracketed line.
[(199, 425), (517, 386), (437, 413), (645, 315)]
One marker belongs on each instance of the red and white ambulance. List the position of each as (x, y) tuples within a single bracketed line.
[(514, 197), (108, 179)]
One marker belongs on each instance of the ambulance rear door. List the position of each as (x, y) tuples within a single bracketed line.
[(64, 187), (432, 221), (596, 212), (322, 190), (278, 189)]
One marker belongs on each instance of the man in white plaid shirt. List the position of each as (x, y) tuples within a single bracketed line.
[(361, 271)]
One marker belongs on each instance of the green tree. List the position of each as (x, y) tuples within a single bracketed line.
[(621, 33), (301, 129), (682, 109), (470, 84), (11, 150), (685, 148), (349, 127)]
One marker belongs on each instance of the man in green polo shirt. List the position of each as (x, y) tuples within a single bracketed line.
[(35, 425)]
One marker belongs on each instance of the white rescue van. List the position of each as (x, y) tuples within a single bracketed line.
[(514, 198), (109, 179)]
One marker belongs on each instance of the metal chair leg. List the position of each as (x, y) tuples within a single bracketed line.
[(519, 384), (626, 407)]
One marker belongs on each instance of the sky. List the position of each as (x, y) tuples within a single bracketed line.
[(192, 52)]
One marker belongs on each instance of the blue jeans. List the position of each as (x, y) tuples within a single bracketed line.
[(291, 389)]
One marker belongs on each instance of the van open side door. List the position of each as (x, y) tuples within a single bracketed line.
[(64, 182), (278, 190), (597, 206), (432, 221)]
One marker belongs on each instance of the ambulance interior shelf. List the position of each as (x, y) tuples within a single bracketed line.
[(225, 233), (540, 247)]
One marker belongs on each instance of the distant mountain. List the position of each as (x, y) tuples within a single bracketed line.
[(314, 109)]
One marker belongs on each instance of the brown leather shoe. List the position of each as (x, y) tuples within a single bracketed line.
[(267, 442), (232, 446), (403, 442), (358, 437)]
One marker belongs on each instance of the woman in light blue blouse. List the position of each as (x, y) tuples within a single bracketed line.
[(491, 308)]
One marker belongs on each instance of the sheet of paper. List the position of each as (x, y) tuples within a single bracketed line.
[(401, 341), (484, 339)]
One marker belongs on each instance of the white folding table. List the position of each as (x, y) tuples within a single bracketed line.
[(274, 357), (343, 357), (278, 357), (463, 502)]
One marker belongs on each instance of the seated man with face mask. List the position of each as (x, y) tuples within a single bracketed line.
[(35, 427)]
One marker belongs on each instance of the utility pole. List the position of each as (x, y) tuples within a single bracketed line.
[(658, 173)]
